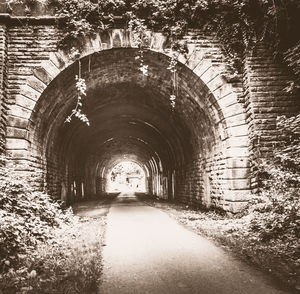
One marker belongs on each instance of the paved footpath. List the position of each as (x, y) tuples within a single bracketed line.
[(148, 252)]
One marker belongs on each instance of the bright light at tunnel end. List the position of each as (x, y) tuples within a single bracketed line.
[(126, 176)]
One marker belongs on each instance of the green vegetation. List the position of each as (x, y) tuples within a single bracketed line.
[(44, 249)]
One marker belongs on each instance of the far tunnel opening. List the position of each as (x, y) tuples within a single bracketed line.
[(182, 151), (126, 176)]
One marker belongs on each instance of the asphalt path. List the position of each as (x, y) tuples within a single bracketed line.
[(148, 252)]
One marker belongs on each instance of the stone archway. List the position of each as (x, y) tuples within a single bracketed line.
[(201, 148)]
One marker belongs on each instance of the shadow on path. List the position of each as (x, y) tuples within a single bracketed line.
[(94, 208)]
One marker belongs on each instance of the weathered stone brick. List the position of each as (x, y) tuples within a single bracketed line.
[(208, 134)]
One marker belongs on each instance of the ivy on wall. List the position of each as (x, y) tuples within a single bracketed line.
[(237, 24)]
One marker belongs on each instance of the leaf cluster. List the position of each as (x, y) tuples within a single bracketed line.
[(277, 217), (68, 263), (277, 208), (79, 18), (44, 249), (238, 24), (81, 93), (26, 217)]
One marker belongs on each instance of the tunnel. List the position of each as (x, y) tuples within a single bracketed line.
[(181, 150)]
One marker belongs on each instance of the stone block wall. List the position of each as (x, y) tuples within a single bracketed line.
[(28, 47), (189, 183), (266, 98), (3, 86), (204, 182), (243, 108)]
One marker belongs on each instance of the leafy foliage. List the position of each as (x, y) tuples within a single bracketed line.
[(44, 249), (280, 173), (277, 208), (238, 24), (138, 27), (81, 92), (68, 263), (288, 153), (26, 216), (172, 68), (81, 18), (275, 212)]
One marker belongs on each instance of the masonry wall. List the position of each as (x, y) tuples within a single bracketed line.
[(204, 182), (266, 98), (28, 47), (25, 49), (189, 183), (3, 86)]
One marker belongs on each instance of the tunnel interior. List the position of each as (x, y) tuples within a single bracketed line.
[(181, 151)]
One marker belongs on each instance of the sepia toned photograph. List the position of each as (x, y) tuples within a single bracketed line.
[(149, 146)]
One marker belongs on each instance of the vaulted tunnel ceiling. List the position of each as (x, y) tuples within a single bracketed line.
[(130, 114)]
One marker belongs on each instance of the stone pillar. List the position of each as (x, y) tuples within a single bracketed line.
[(265, 81)]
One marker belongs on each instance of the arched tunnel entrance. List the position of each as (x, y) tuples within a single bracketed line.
[(183, 152)]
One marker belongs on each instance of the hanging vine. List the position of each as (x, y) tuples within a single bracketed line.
[(237, 25), (81, 93), (173, 70), (138, 30)]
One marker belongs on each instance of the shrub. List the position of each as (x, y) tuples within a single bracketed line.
[(44, 249), (26, 216), (68, 263), (275, 217), (277, 207)]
